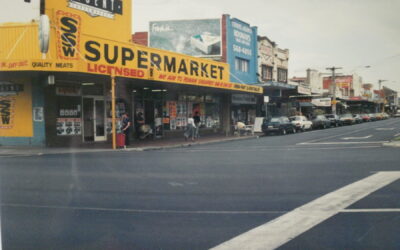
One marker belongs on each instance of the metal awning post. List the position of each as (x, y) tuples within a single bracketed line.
[(113, 126)]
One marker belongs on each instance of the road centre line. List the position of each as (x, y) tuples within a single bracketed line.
[(283, 149), (342, 143), (372, 210), (128, 210), (347, 133), (281, 230)]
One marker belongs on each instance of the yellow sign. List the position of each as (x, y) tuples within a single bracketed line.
[(15, 110), (100, 18)]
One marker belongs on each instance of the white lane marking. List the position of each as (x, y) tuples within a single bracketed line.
[(357, 138), (384, 129), (128, 210), (341, 143), (288, 226), (288, 148), (372, 210), (339, 135), (175, 184)]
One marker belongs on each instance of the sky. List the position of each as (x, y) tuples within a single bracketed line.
[(350, 34)]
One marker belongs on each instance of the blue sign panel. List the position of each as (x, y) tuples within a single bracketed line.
[(241, 51)]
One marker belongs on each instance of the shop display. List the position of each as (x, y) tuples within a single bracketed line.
[(69, 126)]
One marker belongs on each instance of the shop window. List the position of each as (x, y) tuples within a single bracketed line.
[(69, 121), (266, 73), (282, 75), (177, 111), (241, 65)]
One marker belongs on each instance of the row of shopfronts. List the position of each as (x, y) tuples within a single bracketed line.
[(76, 109)]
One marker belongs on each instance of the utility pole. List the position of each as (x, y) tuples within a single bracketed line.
[(381, 94), (333, 69)]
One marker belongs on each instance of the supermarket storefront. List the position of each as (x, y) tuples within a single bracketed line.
[(67, 98)]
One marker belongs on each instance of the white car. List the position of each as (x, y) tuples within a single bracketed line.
[(301, 122)]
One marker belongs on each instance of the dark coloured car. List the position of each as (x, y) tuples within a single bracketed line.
[(334, 119), (347, 119), (372, 117), (281, 125), (320, 121)]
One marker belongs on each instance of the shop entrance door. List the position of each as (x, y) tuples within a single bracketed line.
[(94, 119)]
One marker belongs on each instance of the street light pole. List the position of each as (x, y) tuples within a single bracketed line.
[(333, 69)]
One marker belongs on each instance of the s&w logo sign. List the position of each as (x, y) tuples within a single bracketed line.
[(68, 35), (104, 8)]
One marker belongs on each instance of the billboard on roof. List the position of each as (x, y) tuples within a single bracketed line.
[(200, 38)]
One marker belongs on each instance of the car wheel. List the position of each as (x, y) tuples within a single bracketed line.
[(324, 126), (294, 130), (303, 129), (283, 131)]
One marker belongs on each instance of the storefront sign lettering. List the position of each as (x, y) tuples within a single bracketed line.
[(68, 35), (114, 54), (104, 8), (41, 65), (6, 112), (8, 88)]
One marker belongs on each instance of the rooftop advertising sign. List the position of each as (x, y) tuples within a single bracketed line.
[(200, 38), (101, 18)]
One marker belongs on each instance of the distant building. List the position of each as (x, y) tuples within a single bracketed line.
[(347, 86), (141, 38)]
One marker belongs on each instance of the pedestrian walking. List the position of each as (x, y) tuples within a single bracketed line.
[(126, 127), (190, 130), (196, 119)]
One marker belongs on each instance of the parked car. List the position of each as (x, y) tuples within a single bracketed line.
[(281, 125), (365, 117), (320, 121), (372, 117), (385, 116), (397, 114), (357, 118), (379, 116), (301, 122), (347, 119), (334, 119)]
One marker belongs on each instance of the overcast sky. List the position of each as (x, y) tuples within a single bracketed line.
[(319, 33)]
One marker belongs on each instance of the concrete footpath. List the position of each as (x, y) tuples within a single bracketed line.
[(146, 145)]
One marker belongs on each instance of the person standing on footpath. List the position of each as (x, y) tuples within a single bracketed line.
[(190, 130), (126, 128), (139, 121), (196, 119)]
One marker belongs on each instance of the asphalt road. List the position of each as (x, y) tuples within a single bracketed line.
[(202, 196)]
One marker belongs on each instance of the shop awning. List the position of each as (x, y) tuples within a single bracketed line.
[(277, 85), (306, 104)]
